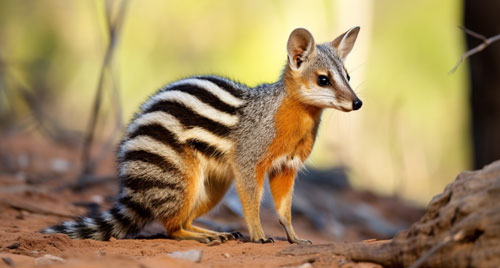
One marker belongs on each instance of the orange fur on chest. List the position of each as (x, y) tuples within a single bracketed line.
[(295, 125)]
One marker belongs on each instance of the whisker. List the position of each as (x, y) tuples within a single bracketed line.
[(358, 67)]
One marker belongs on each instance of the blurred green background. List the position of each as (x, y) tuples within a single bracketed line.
[(410, 138)]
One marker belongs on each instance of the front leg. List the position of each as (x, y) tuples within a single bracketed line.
[(281, 183), (249, 189)]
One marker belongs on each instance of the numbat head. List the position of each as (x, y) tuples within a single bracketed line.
[(316, 73)]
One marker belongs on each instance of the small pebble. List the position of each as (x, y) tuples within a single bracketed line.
[(23, 160), (21, 176), (48, 259), (227, 255), (60, 165), (193, 255), (8, 261), (14, 245), (99, 199), (305, 265)]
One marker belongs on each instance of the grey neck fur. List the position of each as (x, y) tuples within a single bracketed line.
[(257, 126)]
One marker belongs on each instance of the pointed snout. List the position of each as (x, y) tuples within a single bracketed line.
[(356, 104)]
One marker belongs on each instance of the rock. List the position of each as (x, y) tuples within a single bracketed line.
[(48, 259), (193, 255)]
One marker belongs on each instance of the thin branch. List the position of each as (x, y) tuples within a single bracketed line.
[(34, 98), (486, 42), (473, 34), (37, 209), (114, 27), (108, 145)]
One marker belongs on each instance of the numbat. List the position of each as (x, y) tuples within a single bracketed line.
[(193, 138)]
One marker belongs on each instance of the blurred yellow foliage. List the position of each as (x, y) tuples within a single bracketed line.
[(410, 138)]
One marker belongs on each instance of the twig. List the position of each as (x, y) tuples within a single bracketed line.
[(108, 145), (486, 42), (87, 182), (447, 239), (34, 98), (113, 27), (34, 208), (473, 34)]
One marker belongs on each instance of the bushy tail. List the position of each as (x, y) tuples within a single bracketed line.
[(111, 223)]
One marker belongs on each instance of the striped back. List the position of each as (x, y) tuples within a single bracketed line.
[(198, 112)]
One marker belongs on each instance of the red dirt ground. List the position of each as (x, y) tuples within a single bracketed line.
[(33, 173)]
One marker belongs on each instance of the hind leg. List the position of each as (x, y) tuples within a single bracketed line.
[(177, 224), (215, 188)]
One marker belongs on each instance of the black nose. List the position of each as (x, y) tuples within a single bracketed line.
[(356, 104)]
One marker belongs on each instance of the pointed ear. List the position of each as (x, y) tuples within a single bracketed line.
[(344, 43), (300, 47)]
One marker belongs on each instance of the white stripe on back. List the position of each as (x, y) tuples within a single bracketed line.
[(194, 104), (153, 146), (168, 121), (206, 136), (172, 124), (222, 94)]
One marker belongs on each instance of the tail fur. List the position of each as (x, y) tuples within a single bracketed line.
[(112, 223)]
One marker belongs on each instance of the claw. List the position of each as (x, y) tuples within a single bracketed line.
[(214, 243), (204, 240), (237, 235), (223, 238), (269, 240), (231, 237)]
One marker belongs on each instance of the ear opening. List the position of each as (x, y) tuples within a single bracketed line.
[(300, 47), (345, 42)]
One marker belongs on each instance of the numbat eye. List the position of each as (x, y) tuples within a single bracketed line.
[(323, 81)]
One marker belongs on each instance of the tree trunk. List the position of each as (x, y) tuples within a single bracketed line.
[(482, 16)]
